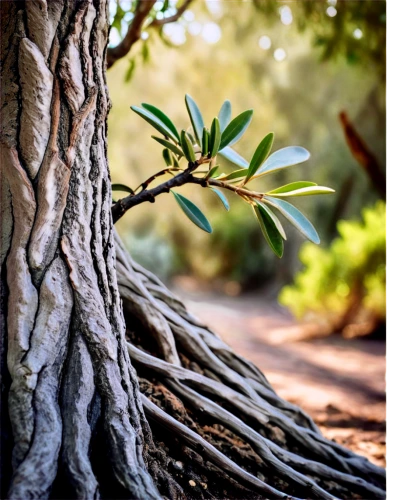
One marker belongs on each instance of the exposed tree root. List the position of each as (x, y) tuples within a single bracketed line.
[(233, 392)]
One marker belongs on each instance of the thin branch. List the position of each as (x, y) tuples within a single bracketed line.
[(173, 18), (134, 33), (186, 177), (363, 155)]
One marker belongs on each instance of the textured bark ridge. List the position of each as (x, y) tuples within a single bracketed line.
[(78, 386)]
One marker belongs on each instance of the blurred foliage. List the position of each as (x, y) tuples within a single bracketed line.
[(299, 98), (354, 30), (344, 283)]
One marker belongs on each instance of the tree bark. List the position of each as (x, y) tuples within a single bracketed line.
[(75, 392)]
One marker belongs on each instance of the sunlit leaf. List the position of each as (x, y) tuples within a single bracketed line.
[(283, 158), (193, 212), (225, 115), (236, 128), (222, 197), (275, 219), (215, 137), (237, 174), (234, 157), (167, 157), (195, 117), (295, 217), (205, 142), (260, 154), (154, 121), (168, 145), (162, 117), (187, 147), (212, 172), (305, 191), (121, 187), (269, 230), (292, 186)]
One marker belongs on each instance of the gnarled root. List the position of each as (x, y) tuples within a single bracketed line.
[(197, 369)]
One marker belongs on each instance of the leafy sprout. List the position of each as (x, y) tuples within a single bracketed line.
[(203, 149)]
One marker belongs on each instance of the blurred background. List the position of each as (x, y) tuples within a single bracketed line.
[(314, 73)]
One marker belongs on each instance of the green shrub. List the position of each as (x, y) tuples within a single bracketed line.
[(345, 283)]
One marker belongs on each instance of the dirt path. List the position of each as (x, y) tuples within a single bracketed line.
[(340, 382)]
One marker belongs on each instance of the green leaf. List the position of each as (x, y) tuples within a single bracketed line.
[(193, 212), (260, 154), (222, 197), (191, 138), (130, 71), (269, 230), (187, 147), (154, 121), (275, 219), (283, 158), (234, 157), (162, 117), (212, 171), (295, 217), (305, 191), (215, 137), (121, 187), (167, 157), (224, 115), (205, 142), (236, 174), (168, 145), (292, 186), (236, 129), (195, 118)]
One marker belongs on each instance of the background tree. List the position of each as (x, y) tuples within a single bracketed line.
[(79, 389)]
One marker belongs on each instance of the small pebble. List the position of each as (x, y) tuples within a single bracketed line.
[(178, 465), (204, 485), (192, 483)]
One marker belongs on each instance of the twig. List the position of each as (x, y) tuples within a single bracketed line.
[(363, 155), (134, 33), (186, 177), (173, 18)]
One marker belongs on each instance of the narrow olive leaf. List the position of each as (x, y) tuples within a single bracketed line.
[(168, 145), (234, 157), (222, 197), (269, 230), (191, 138), (215, 137), (205, 141), (295, 217), (236, 128), (292, 186), (195, 117), (212, 172), (167, 157), (286, 157), (237, 174), (163, 117), (259, 156), (225, 115), (305, 191), (154, 121), (193, 212), (275, 219), (121, 187), (187, 147)]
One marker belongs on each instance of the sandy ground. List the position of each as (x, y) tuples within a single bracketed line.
[(339, 382)]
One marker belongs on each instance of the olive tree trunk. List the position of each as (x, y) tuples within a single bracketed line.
[(78, 385)]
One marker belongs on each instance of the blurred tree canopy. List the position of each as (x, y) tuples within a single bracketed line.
[(271, 63)]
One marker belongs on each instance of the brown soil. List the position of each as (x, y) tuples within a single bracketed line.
[(339, 382)]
